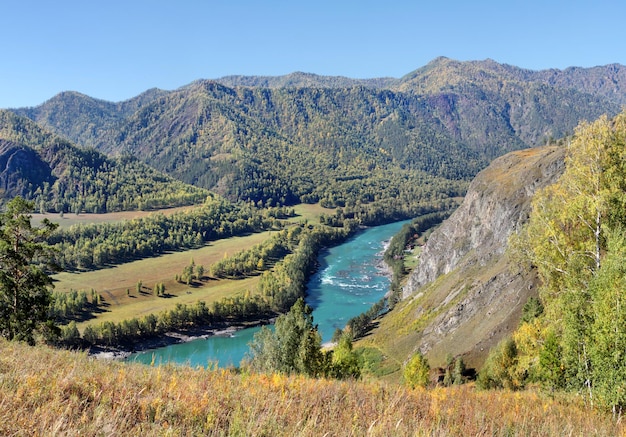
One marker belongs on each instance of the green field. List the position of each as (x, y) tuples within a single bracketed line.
[(309, 212), (67, 220), (112, 283)]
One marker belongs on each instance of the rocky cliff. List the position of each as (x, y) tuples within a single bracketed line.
[(496, 204), (21, 169), (466, 293)]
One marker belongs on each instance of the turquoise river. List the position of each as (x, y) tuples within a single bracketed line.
[(349, 280)]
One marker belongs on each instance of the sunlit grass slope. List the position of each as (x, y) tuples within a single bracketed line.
[(49, 392)]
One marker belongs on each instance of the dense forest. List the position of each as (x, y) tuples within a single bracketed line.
[(60, 177), (339, 141)]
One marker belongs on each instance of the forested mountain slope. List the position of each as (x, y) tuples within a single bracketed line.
[(81, 118), (61, 177), (307, 138), (536, 105), (305, 80)]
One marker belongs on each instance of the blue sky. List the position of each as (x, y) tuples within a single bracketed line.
[(114, 50)]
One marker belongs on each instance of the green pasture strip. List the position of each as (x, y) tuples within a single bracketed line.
[(112, 283), (118, 285), (69, 219), (138, 305)]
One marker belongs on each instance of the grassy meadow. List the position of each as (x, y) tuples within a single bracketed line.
[(44, 391), (70, 219), (112, 283)]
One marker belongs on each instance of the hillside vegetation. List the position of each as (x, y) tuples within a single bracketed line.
[(343, 142), (466, 293), (573, 337), (529, 267), (60, 177), (46, 391)]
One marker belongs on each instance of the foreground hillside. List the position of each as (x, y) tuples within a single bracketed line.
[(50, 392)]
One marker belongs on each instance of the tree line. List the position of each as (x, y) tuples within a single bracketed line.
[(94, 246), (258, 258), (396, 250)]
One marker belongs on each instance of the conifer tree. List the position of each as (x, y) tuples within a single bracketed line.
[(25, 294)]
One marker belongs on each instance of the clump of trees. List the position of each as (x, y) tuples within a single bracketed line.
[(294, 347), (64, 306), (190, 273), (416, 371), (259, 258), (576, 238)]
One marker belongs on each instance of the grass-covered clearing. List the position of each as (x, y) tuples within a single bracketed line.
[(113, 283), (310, 212), (70, 219)]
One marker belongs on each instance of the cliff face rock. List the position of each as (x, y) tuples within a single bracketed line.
[(21, 169), (466, 293), (497, 204)]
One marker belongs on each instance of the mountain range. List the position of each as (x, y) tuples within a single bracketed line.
[(307, 138)]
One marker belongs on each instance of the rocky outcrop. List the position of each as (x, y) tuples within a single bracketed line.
[(466, 293), (21, 170), (496, 204)]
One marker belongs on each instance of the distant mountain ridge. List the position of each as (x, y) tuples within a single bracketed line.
[(305, 80), (298, 137), (60, 177), (442, 73)]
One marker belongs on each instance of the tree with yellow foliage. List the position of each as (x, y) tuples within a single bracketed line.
[(576, 239)]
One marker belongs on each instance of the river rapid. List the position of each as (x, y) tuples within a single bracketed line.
[(351, 277)]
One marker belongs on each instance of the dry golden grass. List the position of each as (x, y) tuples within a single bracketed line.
[(49, 392)]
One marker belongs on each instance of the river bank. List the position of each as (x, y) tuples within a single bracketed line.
[(122, 352)]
